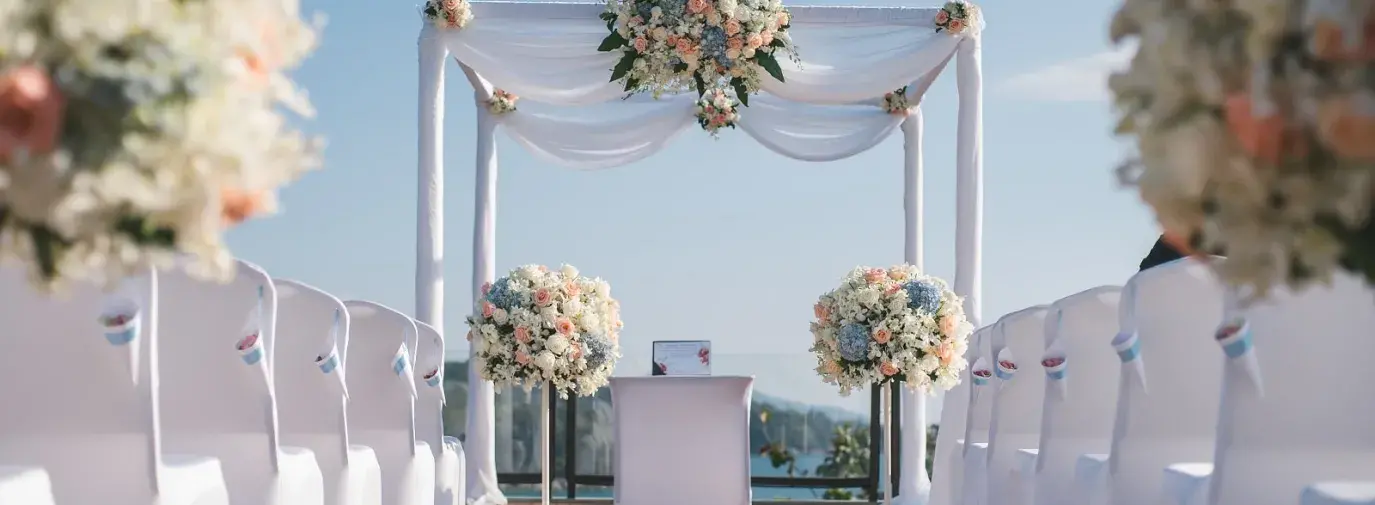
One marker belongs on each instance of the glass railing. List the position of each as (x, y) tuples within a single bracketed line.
[(807, 442)]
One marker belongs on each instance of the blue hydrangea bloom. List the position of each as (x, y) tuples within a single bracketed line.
[(598, 350), (501, 294), (923, 296), (854, 342), (714, 44)]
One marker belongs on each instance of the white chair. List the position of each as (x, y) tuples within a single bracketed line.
[(94, 428), (1168, 412), (310, 351), (1017, 402), (954, 410), (217, 397), (1077, 413), (429, 418), (705, 427), (1312, 415), (25, 485), (381, 406), (970, 480), (1339, 493)]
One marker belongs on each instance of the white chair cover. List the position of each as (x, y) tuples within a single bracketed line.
[(217, 398), (25, 485), (1314, 419), (313, 329), (1080, 421), (429, 418), (382, 401), (93, 428), (949, 439), (1339, 493), (1017, 402), (702, 421), (1170, 416), (970, 484)]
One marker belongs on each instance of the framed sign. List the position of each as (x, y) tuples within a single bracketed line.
[(682, 357)]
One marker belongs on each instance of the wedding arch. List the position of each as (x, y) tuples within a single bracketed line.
[(828, 107)]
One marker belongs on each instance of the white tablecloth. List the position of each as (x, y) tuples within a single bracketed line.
[(682, 440)]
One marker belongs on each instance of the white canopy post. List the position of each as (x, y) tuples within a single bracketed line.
[(480, 444), (969, 179), (429, 210), (915, 485)]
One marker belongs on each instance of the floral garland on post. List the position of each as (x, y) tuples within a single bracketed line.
[(957, 16), (1260, 144), (140, 131), (501, 102), (448, 14), (895, 102), (673, 45), (716, 110)]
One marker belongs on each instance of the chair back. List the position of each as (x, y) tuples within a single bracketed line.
[(381, 398), (429, 385), (215, 361), (979, 414), (1167, 398), (80, 397), (1310, 416), (312, 331), (1017, 403), (946, 468)]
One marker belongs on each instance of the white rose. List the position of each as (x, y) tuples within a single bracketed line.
[(928, 363), (732, 53), (568, 270), (600, 286), (545, 360), (500, 316), (556, 344), (654, 13), (727, 5)]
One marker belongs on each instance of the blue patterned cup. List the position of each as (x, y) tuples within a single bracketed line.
[(1128, 347), (1235, 338), (1055, 367), (328, 362), (434, 377), (251, 349), (121, 326)]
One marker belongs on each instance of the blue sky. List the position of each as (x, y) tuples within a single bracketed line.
[(717, 240)]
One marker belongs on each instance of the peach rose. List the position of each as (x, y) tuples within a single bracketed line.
[(1346, 129), (522, 335), (882, 336), (832, 368), (543, 298), (672, 40), (488, 309), (697, 6), (577, 352), (732, 26), (636, 21), (571, 289), (942, 17), (563, 325), (783, 18), (641, 44), (888, 369), (31, 108), (874, 275), (685, 47), (956, 26), (450, 5), (892, 289), (821, 311), (946, 353), (754, 41), (486, 288), (735, 43), (237, 205), (767, 36), (522, 358), (897, 275), (1263, 138), (948, 325)]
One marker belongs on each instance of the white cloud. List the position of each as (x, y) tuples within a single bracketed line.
[(1078, 80)]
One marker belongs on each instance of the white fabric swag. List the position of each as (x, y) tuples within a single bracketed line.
[(570, 114)]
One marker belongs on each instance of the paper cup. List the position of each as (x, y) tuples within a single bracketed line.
[(1128, 347), (1007, 365), (250, 348), (980, 373), (1235, 338), (434, 377), (328, 362), (121, 321)]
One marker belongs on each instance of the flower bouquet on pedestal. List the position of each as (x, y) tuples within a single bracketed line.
[(554, 328), (890, 325)]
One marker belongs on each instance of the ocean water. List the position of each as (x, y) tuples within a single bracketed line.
[(759, 466)]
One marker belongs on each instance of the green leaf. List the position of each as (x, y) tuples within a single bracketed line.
[(45, 250), (623, 67), (612, 42), (740, 91), (778, 42), (631, 84), (770, 65), (701, 85), (680, 67), (607, 16)]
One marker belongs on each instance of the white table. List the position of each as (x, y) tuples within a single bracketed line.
[(682, 440)]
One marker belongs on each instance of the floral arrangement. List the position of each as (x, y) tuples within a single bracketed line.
[(501, 102), (957, 16), (887, 326), (1255, 126), (895, 102), (672, 45), (538, 325), (135, 131), (447, 14), (716, 110)]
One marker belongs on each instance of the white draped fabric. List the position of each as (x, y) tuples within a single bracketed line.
[(570, 114)]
